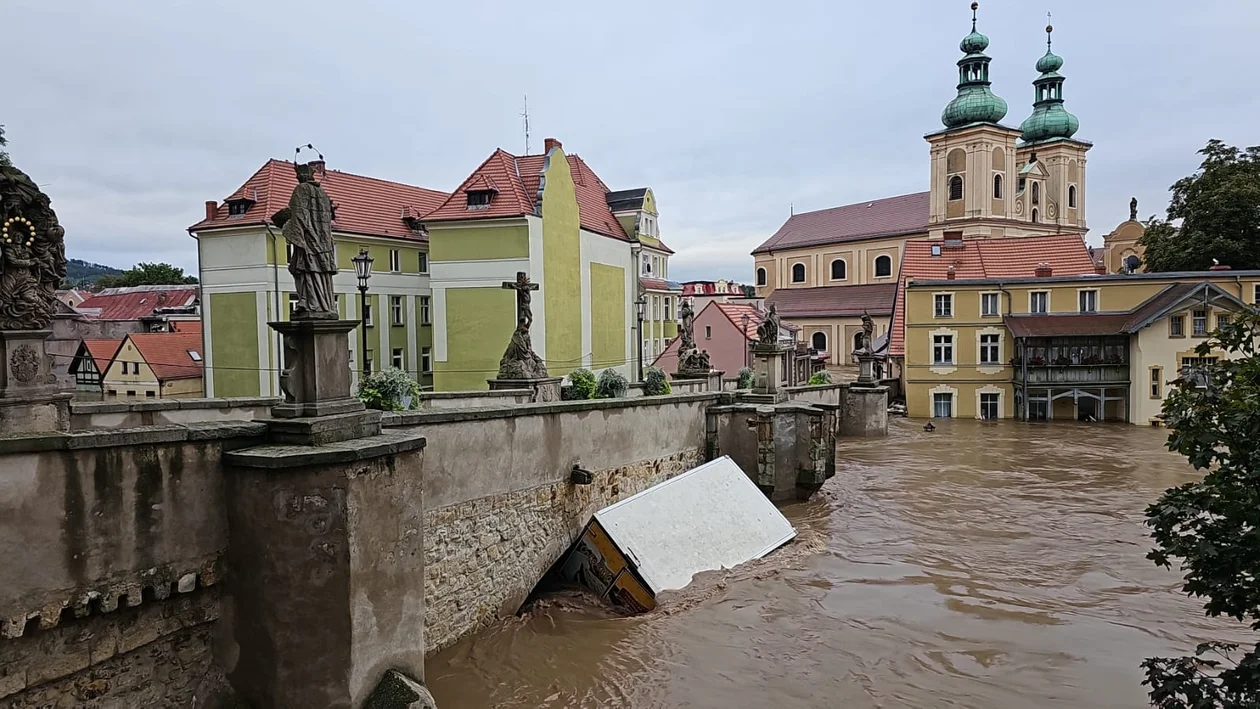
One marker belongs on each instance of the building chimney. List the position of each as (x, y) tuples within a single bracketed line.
[(949, 273), (1043, 270), (1100, 269), (212, 208), (549, 143), (1219, 267), (317, 167)]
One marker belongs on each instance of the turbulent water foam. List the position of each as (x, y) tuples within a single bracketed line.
[(982, 565)]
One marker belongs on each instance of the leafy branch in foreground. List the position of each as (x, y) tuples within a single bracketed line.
[(1211, 527)]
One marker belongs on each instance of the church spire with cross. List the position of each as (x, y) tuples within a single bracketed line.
[(975, 102), (1049, 119)]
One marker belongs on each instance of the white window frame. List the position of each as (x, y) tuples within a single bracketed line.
[(944, 391), (997, 405), (426, 359), (997, 302), (669, 309), (1207, 316), (875, 266), (367, 313), (422, 262), (804, 272), (1032, 296), (293, 301), (947, 345), (937, 300), (426, 311), (991, 344), (397, 311), (395, 261), (1080, 298), (831, 269), (398, 358)]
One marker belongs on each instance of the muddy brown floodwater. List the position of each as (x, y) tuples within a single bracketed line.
[(981, 566)]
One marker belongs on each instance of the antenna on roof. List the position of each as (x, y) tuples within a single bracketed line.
[(525, 115), (791, 209)]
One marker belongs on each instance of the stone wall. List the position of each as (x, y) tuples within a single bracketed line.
[(109, 541), (500, 509), (101, 415), (473, 399)]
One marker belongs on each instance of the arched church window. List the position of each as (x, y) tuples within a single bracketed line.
[(1072, 196), (1035, 217), (838, 270), (798, 273), (997, 187), (1036, 196), (761, 276), (955, 188), (883, 266), (819, 341)]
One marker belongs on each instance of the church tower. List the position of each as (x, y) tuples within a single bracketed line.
[(974, 158), (1050, 188)]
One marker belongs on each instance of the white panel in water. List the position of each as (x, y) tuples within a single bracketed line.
[(710, 517)]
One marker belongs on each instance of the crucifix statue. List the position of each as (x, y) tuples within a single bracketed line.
[(520, 361)]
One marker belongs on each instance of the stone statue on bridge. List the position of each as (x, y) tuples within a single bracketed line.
[(307, 227), (768, 330), (32, 253), (519, 360)]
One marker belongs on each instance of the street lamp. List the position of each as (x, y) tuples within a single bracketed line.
[(640, 307), (363, 270)]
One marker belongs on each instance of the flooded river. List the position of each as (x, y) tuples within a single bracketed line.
[(980, 566)]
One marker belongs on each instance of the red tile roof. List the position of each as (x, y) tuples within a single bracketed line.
[(1008, 257), (893, 216), (186, 326), (135, 303), (658, 284), (711, 288), (101, 352), (518, 180), (167, 353), (365, 205), (835, 301)]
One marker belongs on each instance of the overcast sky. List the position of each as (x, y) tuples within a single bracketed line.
[(132, 114)]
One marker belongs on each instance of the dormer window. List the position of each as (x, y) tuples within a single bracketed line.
[(480, 199), (238, 207)]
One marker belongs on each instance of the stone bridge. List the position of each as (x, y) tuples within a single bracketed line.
[(118, 538)]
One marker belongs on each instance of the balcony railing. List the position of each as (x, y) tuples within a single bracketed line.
[(1074, 373)]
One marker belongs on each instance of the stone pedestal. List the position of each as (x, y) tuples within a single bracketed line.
[(787, 449), (30, 401), (325, 587), (318, 408), (865, 411), (712, 378), (866, 370), (768, 372), (544, 389)]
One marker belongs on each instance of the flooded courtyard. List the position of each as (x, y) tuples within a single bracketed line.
[(985, 565)]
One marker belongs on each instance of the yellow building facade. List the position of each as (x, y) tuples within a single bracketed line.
[(1094, 348)]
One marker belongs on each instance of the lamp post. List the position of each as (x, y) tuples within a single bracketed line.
[(640, 307), (363, 270)]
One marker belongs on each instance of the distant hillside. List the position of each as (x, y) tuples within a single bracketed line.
[(81, 274)]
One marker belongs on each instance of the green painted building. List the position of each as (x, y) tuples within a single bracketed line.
[(437, 308), (245, 281), (553, 218)]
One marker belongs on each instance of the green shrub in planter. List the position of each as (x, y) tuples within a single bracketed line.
[(389, 390), (581, 384), (654, 382), (820, 378), (611, 385), (745, 378)]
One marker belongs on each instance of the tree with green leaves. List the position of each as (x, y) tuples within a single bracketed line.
[(1213, 216), (147, 274), (1211, 528)]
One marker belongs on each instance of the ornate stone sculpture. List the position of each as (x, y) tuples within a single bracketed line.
[(307, 225), (519, 360), (768, 330), (1133, 209), (687, 324), (868, 332), (32, 253)]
